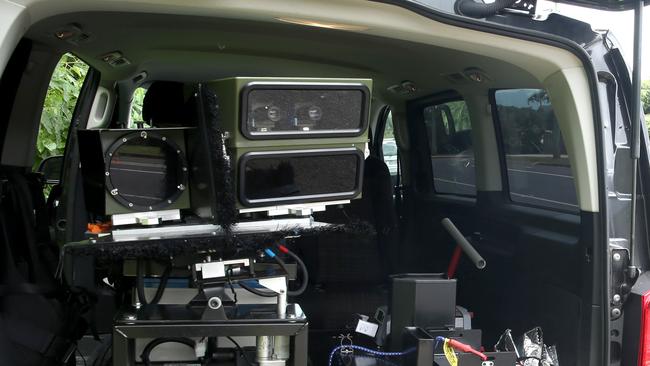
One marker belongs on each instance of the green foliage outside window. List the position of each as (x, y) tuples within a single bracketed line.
[(60, 101), (645, 99), (136, 105)]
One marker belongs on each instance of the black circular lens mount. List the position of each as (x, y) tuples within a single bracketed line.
[(145, 171)]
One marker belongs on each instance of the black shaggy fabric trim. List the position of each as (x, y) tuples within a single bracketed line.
[(109, 251), (226, 210)]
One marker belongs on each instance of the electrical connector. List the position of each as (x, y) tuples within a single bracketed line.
[(282, 248), (269, 252), (462, 347)]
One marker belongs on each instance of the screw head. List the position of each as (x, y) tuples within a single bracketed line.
[(114, 192), (214, 303), (617, 257), (616, 312), (616, 298), (130, 204)]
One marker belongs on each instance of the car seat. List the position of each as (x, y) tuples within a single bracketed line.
[(349, 272)]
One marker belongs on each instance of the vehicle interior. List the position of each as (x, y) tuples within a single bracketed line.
[(463, 106)]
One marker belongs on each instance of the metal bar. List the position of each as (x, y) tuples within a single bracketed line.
[(263, 348), (635, 144), (175, 231), (469, 250), (123, 349), (207, 329), (636, 80), (300, 344), (124, 336)]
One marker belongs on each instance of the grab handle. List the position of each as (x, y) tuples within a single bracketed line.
[(469, 250)]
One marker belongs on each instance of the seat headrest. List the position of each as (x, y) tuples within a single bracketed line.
[(164, 104)]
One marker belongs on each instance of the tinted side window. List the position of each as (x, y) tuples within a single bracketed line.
[(136, 106), (538, 167), (389, 146), (452, 152)]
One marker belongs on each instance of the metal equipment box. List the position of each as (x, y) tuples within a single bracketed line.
[(291, 140)]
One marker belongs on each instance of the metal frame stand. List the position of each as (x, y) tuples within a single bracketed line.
[(128, 326)]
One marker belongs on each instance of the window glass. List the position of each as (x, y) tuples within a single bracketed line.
[(389, 146), (538, 167), (452, 152), (60, 100), (136, 106)]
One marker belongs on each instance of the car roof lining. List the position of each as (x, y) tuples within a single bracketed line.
[(200, 48)]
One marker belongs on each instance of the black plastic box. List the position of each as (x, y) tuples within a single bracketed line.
[(421, 300)]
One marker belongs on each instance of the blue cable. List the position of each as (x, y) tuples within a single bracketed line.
[(366, 350), (438, 340)]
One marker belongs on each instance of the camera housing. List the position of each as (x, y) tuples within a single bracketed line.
[(134, 170), (294, 140)]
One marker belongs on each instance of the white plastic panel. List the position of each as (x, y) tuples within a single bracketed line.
[(100, 112)]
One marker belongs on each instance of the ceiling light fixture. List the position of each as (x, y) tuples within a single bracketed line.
[(323, 24), (476, 75)]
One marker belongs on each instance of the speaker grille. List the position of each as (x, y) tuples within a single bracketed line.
[(302, 111), (299, 176)]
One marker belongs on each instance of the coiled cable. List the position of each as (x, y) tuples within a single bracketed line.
[(303, 269), (369, 351), (146, 352), (256, 291), (140, 283)]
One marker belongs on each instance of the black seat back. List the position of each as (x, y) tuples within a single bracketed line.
[(349, 272), (39, 320), (165, 105)]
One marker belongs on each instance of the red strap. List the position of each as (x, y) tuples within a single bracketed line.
[(453, 263)]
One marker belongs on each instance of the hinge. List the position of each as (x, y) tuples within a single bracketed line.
[(619, 285)]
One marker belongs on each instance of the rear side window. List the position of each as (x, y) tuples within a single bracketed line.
[(136, 105), (452, 152), (60, 101), (538, 167), (389, 147)]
